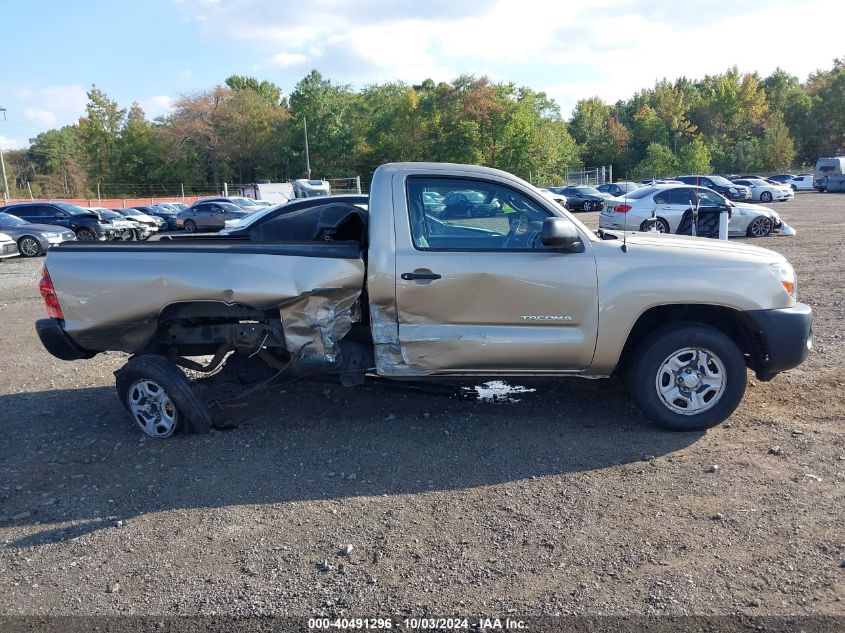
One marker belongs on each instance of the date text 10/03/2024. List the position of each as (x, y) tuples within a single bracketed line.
[(483, 624)]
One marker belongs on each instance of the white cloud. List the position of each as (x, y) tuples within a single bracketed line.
[(285, 60), (41, 117), (609, 48), (156, 106), (8, 144)]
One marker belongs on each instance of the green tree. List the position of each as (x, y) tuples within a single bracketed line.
[(658, 162), (99, 132), (777, 149), (266, 89), (694, 158)]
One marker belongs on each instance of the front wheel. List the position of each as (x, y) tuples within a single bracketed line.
[(190, 226), (588, 206), (687, 377), (29, 246), (160, 399), (760, 227), (660, 226), (86, 235)]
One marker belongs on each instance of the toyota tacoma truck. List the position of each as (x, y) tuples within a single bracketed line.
[(508, 284)]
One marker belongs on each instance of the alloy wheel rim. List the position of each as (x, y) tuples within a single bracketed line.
[(29, 247), (152, 409), (690, 381), (759, 227)]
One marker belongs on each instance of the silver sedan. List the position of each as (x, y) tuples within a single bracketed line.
[(762, 191), (33, 239), (668, 203)]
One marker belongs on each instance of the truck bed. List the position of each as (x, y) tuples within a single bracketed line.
[(113, 294)]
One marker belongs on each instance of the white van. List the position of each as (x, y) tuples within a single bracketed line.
[(827, 168)]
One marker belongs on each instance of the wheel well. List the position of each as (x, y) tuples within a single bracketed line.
[(731, 322), (201, 327)]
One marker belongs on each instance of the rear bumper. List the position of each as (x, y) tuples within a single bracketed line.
[(782, 338), (56, 341)]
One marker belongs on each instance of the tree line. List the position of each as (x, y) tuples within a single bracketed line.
[(246, 129)]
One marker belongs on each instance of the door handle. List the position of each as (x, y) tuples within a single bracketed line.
[(420, 275)]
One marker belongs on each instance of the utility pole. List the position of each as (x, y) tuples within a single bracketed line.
[(3, 163), (307, 157)]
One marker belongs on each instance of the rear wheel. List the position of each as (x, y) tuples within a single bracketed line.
[(765, 197), (687, 377), (760, 227), (29, 246), (190, 226), (160, 399)]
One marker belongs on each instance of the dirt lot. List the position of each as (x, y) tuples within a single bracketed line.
[(565, 502)]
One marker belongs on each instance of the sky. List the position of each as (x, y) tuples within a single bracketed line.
[(155, 51)]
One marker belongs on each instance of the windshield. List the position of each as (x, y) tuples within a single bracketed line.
[(588, 191), (244, 201), (72, 208), (10, 220), (756, 181)]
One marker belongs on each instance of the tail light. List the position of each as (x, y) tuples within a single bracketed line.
[(622, 208), (48, 293)]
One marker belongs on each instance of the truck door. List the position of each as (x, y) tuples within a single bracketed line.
[(478, 292)]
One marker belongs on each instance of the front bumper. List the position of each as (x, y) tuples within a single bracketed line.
[(8, 249), (781, 338), (56, 341)]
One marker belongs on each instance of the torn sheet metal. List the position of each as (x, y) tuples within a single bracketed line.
[(112, 299), (318, 320)]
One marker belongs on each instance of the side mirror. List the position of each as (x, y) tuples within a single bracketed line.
[(559, 233)]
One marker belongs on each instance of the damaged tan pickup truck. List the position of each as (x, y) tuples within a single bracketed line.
[(447, 271)]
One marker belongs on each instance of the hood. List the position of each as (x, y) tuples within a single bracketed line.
[(756, 208), (700, 244), (5, 238), (87, 216)]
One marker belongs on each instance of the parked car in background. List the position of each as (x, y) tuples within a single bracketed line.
[(668, 203), (581, 198), (8, 247), (125, 230), (555, 197), (33, 239), (179, 206), (205, 216), (468, 204), (827, 168), (153, 223), (799, 182), (166, 214), (719, 184), (84, 223), (763, 191), (247, 204), (618, 189)]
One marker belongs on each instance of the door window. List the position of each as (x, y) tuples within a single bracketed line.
[(682, 196), (710, 198), (474, 215)]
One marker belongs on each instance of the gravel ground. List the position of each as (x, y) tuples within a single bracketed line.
[(380, 502)]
